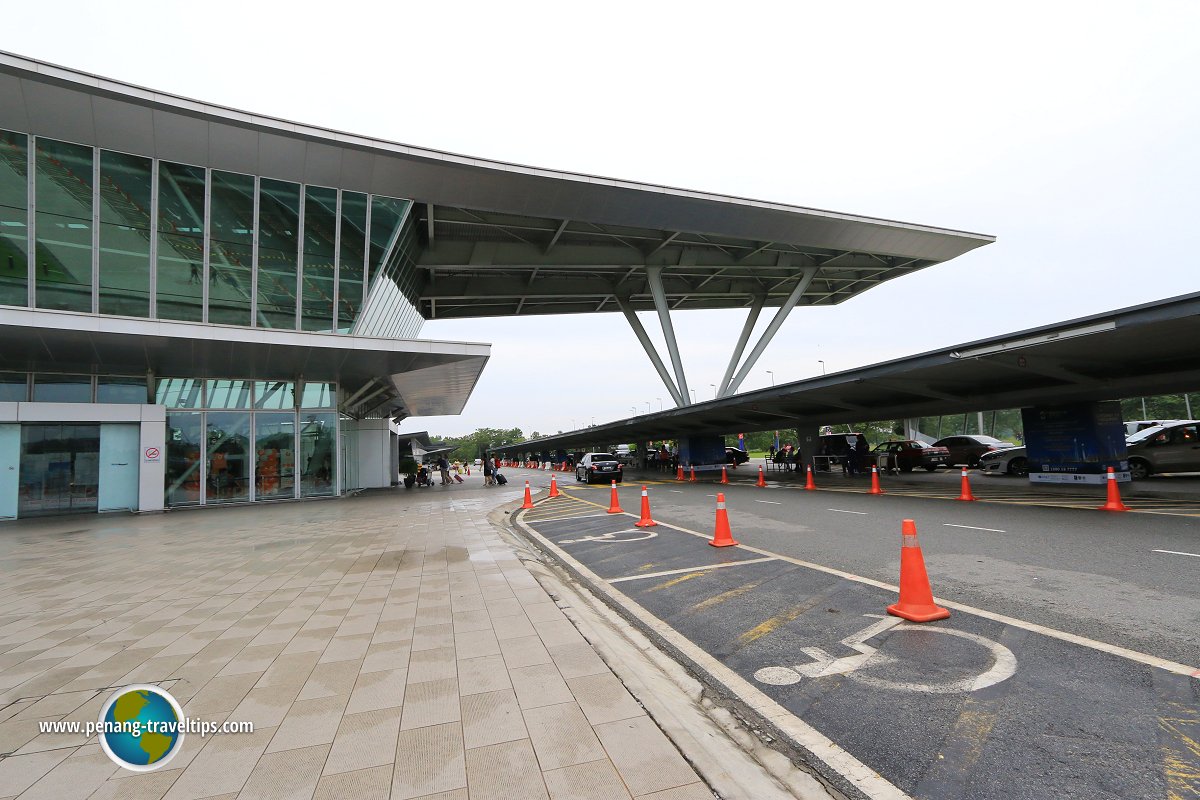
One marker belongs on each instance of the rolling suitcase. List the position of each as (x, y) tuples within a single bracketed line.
[(500, 479)]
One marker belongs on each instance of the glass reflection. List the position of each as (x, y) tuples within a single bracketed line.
[(320, 231), (179, 393), (184, 464), (229, 394), (230, 248), (180, 274), (275, 462), (120, 390), (14, 388), (125, 230), (228, 446), (318, 455), (63, 222), (351, 259), (317, 395), (62, 389), (14, 202), (274, 394), (278, 250)]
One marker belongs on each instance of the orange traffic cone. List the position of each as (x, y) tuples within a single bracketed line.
[(554, 492), (761, 480), (966, 487), (693, 478), (724, 476), (808, 484), (645, 521), (723, 537), (528, 499), (614, 505), (679, 473), (875, 481), (916, 597), (1114, 496)]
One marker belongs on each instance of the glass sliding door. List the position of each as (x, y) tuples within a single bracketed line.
[(318, 453), (275, 451), (228, 456), (60, 469), (185, 467)]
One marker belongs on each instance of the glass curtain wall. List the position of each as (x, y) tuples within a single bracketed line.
[(320, 238), (233, 441), (124, 234), (180, 273), (126, 188), (230, 248), (63, 223), (14, 217)]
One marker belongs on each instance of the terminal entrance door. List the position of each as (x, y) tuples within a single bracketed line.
[(60, 469)]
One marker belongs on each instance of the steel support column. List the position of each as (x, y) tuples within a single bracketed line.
[(648, 346), (740, 347), (654, 276), (769, 334)]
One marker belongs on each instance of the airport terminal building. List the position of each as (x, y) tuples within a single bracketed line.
[(202, 306)]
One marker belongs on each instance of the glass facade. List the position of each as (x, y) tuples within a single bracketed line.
[(234, 441), (123, 234)]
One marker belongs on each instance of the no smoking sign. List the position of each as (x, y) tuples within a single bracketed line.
[(152, 454)]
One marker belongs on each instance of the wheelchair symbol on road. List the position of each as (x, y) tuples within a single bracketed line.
[(1004, 663), (612, 537)]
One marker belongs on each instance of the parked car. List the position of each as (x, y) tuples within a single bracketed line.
[(907, 454), (1165, 448), (1009, 461), (967, 449), (735, 456), (598, 466)]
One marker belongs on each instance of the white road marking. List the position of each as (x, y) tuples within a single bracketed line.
[(844, 511), (676, 491), (772, 502), (1177, 553), (973, 528), (690, 569)]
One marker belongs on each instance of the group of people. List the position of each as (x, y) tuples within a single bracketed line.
[(787, 456)]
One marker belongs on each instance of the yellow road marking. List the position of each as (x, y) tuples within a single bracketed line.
[(735, 592), (676, 581), (768, 626)]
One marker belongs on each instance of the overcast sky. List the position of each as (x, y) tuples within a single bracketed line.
[(1067, 130)]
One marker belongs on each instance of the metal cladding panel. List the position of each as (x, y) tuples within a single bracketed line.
[(58, 112), (356, 171), (12, 104), (181, 138), (281, 157), (233, 149), (323, 164), (121, 126)]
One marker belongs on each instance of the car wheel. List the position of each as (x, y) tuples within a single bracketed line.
[(1139, 470), (931, 468), (1018, 467)]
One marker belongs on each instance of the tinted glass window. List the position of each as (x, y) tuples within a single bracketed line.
[(230, 248), (13, 387), (120, 390), (278, 252), (351, 258), (62, 389), (125, 230), (320, 232), (14, 231), (180, 273), (63, 199)]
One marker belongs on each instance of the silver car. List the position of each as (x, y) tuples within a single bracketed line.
[(1008, 461), (1165, 448)]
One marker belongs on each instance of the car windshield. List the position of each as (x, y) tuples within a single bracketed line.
[(602, 456), (916, 444), (987, 440)]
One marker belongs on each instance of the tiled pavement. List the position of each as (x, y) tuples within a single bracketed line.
[(386, 646)]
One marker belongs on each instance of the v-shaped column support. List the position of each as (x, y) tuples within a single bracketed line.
[(731, 385)]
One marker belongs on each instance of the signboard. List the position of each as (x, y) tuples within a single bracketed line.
[(1075, 443), (152, 455)]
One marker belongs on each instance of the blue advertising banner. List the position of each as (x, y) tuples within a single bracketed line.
[(1075, 443)]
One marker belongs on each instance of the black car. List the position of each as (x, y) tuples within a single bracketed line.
[(735, 456), (603, 467)]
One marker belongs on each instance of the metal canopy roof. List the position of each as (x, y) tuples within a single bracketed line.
[(1141, 350), (500, 238), (381, 377)]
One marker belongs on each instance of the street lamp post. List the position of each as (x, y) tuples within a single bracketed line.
[(822, 363), (714, 388), (659, 399), (647, 406), (772, 374), (693, 396)]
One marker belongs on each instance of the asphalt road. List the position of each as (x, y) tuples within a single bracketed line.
[(1047, 717)]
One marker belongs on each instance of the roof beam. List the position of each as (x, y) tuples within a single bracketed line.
[(663, 243), (562, 226)]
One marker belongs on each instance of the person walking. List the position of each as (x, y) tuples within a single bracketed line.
[(444, 468), (487, 471), (798, 460)]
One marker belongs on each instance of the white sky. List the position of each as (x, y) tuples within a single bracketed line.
[(1068, 130)]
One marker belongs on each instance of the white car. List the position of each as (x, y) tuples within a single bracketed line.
[(1008, 461)]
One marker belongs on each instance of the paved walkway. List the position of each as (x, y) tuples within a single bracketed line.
[(386, 646)]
